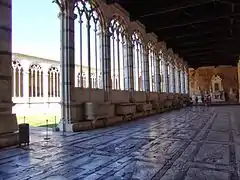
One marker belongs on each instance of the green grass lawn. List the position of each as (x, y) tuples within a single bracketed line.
[(39, 121)]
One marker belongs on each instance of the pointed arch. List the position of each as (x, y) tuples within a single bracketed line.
[(118, 51), (92, 7), (138, 66), (53, 82), (17, 79), (152, 58), (160, 56), (88, 42), (36, 81)]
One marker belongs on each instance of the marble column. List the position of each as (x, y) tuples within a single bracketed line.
[(171, 84), (129, 67), (76, 78), (181, 80), (14, 81), (166, 76), (8, 121), (176, 80), (186, 82), (106, 69), (146, 84), (238, 79), (158, 78), (26, 83), (67, 18), (45, 68)]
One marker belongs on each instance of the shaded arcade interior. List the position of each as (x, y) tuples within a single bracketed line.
[(132, 71), (124, 83)]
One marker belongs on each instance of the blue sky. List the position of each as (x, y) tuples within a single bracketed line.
[(36, 28), (36, 31)]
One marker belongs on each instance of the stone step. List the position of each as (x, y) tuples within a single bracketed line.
[(8, 129), (8, 123), (5, 113), (8, 139)]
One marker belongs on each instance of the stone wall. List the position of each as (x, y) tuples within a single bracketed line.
[(200, 79), (8, 122)]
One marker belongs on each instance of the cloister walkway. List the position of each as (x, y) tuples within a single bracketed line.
[(194, 143)]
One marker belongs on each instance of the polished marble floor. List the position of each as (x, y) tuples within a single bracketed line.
[(197, 143)]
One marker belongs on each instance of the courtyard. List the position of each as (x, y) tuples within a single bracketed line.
[(193, 143)]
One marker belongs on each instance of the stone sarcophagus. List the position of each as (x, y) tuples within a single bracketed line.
[(155, 100), (168, 103), (94, 111), (90, 105), (167, 100), (140, 99), (127, 109), (122, 105), (177, 101)]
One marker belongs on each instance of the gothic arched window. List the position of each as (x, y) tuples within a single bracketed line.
[(118, 47), (53, 82), (88, 42), (17, 79), (36, 81), (152, 59), (84, 84), (161, 70), (137, 61)]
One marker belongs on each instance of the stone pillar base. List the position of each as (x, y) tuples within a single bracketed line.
[(68, 127), (9, 139), (8, 129)]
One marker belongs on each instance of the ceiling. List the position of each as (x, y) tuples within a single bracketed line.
[(202, 32)]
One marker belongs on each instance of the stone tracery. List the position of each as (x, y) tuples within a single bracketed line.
[(88, 43), (53, 82), (152, 67), (137, 60), (118, 48), (17, 79), (161, 71), (36, 80)]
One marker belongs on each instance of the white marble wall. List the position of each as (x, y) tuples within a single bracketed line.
[(36, 85)]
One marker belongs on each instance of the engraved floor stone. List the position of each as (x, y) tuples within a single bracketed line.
[(203, 174), (180, 166), (126, 146), (95, 142), (221, 126), (137, 170), (213, 153), (195, 143), (56, 178), (159, 151), (184, 134), (218, 136)]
